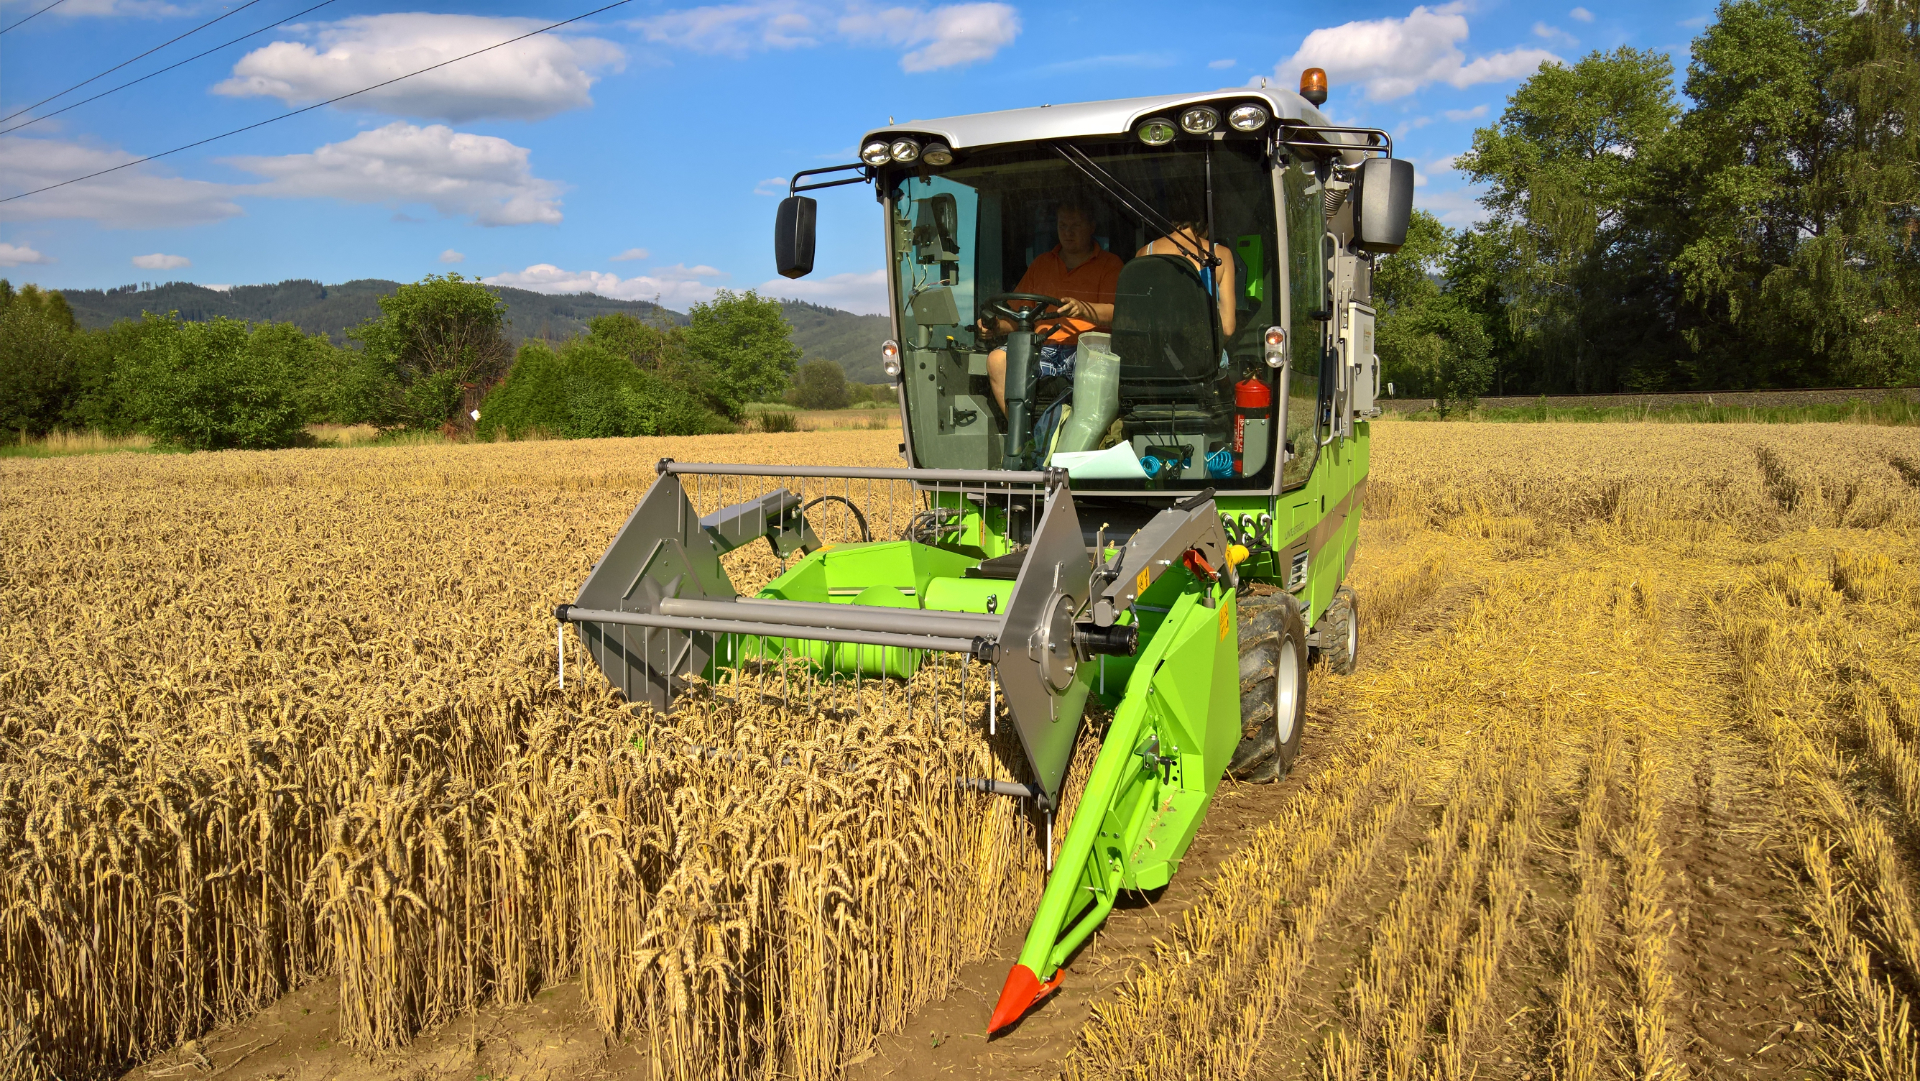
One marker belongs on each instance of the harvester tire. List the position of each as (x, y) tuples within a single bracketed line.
[(1273, 688), (1338, 637)]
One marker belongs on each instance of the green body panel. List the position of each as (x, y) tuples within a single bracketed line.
[(1164, 754), (1329, 535)]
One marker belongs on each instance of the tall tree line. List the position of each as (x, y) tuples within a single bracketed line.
[(1760, 233), (437, 357)]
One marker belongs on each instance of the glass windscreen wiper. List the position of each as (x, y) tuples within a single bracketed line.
[(1137, 206)]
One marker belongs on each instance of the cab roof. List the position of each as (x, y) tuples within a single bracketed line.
[(1114, 117)]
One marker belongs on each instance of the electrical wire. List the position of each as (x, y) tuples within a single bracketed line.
[(124, 63), (35, 15), (317, 104), (150, 74)]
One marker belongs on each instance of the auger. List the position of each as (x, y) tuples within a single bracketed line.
[(1138, 463)]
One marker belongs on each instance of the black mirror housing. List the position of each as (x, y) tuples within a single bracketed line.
[(793, 236), (1384, 204)]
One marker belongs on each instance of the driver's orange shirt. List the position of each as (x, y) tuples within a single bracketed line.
[(1093, 281)]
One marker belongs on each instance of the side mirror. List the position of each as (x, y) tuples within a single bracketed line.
[(793, 237), (1384, 204)]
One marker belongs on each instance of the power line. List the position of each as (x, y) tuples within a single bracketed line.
[(317, 104), (148, 75), (124, 63), (35, 15)]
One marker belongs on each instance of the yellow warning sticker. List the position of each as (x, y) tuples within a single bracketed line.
[(1140, 584), (1226, 620)]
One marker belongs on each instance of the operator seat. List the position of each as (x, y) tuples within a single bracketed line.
[(1165, 327)]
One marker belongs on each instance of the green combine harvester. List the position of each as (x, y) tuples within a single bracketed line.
[(1103, 471)]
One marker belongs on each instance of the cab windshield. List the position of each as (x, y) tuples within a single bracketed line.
[(1149, 373)]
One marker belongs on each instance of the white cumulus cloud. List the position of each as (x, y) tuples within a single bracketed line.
[(629, 255), (936, 37), (458, 174), (864, 294), (1554, 33), (527, 80), (20, 255), (1392, 57), (773, 185), (157, 261), (451, 256), (948, 36), (1580, 15), (140, 197), (1458, 115), (674, 291), (73, 9), (1221, 65)]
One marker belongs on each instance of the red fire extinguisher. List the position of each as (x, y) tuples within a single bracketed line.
[(1252, 402)]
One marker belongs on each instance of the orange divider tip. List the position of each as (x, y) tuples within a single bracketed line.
[(1022, 991)]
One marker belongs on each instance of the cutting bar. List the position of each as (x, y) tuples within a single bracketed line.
[(981, 645)]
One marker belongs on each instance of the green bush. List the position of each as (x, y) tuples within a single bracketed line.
[(779, 422), (215, 385), (40, 353), (588, 391)]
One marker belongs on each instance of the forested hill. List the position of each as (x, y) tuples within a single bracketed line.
[(334, 309), (830, 334), (822, 333)]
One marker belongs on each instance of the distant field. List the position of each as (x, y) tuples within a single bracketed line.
[(1625, 784), (864, 417), (1896, 405)]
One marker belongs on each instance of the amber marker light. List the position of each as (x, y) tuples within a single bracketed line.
[(1313, 85)]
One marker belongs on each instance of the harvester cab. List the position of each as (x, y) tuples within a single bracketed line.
[(1133, 359)]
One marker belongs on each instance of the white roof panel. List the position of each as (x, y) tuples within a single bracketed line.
[(1116, 117)]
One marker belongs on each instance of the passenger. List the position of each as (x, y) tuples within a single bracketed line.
[(1188, 240), (1077, 270)]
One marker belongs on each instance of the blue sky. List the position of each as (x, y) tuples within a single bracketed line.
[(640, 153)]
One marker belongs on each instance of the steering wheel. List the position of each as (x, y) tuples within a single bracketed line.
[(1024, 318)]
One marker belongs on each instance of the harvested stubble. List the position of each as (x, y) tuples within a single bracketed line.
[(272, 717), (1612, 599)]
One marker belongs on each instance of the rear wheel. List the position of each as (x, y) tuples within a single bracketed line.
[(1273, 688), (1337, 638)]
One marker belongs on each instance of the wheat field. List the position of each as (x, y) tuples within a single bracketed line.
[(1625, 786)]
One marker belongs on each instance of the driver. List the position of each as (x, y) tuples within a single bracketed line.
[(1080, 272)]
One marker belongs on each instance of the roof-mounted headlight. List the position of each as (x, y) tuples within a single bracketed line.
[(937, 154), (876, 153), (1199, 120), (1157, 131), (1247, 118), (905, 150)]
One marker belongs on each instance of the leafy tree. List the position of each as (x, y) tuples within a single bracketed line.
[(744, 347), (104, 397), (214, 385), (820, 384), (1743, 161), (1431, 344), (648, 346), (437, 346), (1565, 167), (39, 358)]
